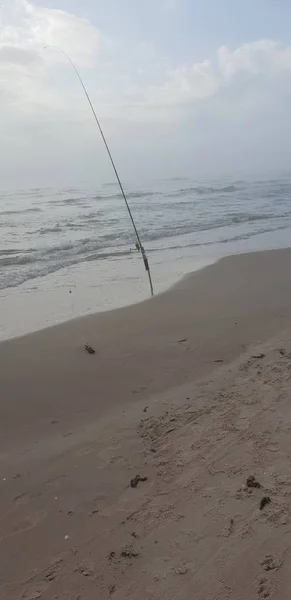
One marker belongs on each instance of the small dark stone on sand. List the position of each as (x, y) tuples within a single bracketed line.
[(258, 356), (219, 360), (112, 589), (264, 502), (252, 482), (89, 349), (136, 480), (145, 409), (153, 450), (17, 476), (54, 422), (182, 341), (134, 535), (111, 555), (70, 513)]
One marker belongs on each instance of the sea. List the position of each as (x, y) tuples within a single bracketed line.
[(69, 252)]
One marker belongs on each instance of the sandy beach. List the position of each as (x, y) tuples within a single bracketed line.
[(190, 391)]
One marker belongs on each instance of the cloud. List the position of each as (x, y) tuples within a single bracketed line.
[(190, 84), (18, 56), (134, 88), (261, 57), (27, 26), (30, 85)]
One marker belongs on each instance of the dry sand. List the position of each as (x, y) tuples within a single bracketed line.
[(75, 429)]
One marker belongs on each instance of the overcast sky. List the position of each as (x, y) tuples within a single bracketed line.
[(182, 87)]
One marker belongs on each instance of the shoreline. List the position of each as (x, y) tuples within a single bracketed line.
[(64, 298), (88, 289), (183, 278)]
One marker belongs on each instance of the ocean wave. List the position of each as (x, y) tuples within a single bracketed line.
[(109, 237), (203, 191), (15, 278), (188, 227), (48, 230), (129, 196), (67, 253), (8, 251), (21, 211), (68, 201), (248, 218), (226, 240), (17, 260), (47, 260)]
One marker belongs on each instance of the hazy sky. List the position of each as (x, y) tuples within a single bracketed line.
[(182, 87)]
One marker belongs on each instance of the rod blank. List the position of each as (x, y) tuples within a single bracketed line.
[(140, 245)]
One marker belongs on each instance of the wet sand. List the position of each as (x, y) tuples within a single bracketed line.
[(174, 394)]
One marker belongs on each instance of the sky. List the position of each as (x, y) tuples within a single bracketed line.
[(197, 88)]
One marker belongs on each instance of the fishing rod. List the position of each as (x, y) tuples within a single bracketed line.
[(139, 243)]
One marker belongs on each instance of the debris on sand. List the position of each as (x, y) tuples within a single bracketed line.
[(182, 341), (252, 482), (85, 569), (264, 502), (145, 409), (136, 480), (219, 360), (259, 356), (129, 553), (89, 349), (228, 530), (282, 351), (181, 570)]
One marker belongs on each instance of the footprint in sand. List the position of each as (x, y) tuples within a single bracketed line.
[(35, 591), (21, 500), (264, 588), (55, 481), (271, 562)]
